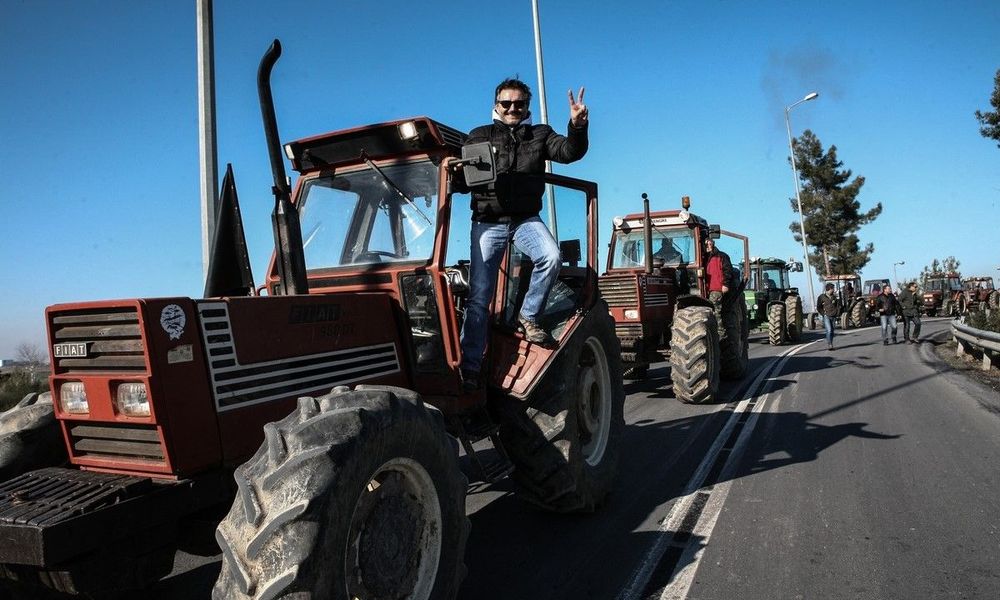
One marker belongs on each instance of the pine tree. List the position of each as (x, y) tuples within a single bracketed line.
[(830, 208), (938, 268), (990, 121)]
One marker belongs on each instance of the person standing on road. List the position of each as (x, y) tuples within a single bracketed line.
[(910, 302), (718, 274), (887, 306), (508, 210), (827, 306)]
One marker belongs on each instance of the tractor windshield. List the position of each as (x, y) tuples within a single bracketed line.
[(674, 247), (769, 277), (370, 215)]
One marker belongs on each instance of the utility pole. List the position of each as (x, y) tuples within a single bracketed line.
[(207, 148)]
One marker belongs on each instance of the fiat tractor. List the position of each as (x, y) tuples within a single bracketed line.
[(314, 421), (853, 304), (980, 293), (772, 302), (656, 288)]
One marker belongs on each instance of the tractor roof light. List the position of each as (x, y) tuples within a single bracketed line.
[(408, 131), (685, 202)]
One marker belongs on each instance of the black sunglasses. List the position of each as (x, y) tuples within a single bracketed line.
[(518, 104)]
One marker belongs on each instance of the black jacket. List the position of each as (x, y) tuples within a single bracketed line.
[(910, 303), (887, 304), (520, 153), (827, 305)]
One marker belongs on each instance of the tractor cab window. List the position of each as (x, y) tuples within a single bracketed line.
[(674, 247), (770, 278), (954, 284), (368, 216)]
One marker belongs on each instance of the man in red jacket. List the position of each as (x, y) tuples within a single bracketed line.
[(719, 274)]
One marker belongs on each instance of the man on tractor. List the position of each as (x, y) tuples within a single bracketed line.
[(719, 272)]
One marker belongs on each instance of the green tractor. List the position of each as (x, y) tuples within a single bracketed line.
[(772, 302)]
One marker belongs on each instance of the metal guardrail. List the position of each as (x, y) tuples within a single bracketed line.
[(970, 338)]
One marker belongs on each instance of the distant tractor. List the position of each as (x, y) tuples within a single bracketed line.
[(656, 289), (853, 304), (980, 293), (943, 295), (772, 301)]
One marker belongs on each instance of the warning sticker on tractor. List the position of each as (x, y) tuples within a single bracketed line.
[(180, 354), (173, 320)]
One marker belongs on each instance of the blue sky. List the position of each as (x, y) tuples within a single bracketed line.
[(99, 127)]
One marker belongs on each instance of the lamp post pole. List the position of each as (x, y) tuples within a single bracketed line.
[(894, 277), (798, 196)]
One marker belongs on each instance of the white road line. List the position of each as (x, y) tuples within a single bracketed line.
[(680, 582)]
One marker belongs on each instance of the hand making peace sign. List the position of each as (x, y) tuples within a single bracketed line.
[(578, 113)]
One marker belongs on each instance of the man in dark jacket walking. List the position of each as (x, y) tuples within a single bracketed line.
[(507, 210), (827, 306), (887, 306), (910, 302)]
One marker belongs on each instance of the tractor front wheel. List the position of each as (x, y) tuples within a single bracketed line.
[(947, 308), (994, 300), (694, 355), (793, 314), (776, 324), (355, 494)]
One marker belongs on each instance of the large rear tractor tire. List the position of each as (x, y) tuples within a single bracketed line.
[(859, 313), (947, 308), (962, 305), (793, 314), (994, 300), (776, 324), (355, 494), (565, 441), (30, 437), (694, 355), (845, 320), (733, 344)]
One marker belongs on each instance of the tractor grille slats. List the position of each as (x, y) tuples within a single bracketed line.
[(129, 442), (112, 338), (619, 293)]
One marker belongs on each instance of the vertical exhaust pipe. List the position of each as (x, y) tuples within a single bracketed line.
[(647, 232), (285, 218)]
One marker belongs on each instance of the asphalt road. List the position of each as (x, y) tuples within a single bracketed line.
[(868, 471)]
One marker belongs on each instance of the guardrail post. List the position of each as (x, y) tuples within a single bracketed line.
[(959, 346), (987, 361)]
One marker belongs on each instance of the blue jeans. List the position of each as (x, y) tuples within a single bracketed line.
[(888, 322), (489, 242), (828, 326)]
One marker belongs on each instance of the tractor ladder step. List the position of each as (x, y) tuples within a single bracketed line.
[(477, 427)]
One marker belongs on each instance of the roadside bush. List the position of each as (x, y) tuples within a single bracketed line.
[(980, 320), (18, 385)]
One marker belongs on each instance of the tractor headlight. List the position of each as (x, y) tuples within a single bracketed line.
[(631, 314), (131, 400), (73, 398)]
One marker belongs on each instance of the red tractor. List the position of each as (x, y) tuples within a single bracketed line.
[(656, 289), (943, 294), (324, 415), (980, 293)]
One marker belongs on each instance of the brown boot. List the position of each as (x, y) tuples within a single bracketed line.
[(533, 333)]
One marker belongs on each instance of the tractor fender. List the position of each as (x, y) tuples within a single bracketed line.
[(691, 300)]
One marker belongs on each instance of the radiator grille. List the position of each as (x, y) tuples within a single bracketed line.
[(112, 337), (131, 442), (618, 292)]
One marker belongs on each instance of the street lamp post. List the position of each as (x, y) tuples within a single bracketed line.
[(798, 196), (894, 278)]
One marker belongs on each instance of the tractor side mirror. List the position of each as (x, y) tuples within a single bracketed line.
[(478, 164), (795, 267), (570, 251), (714, 232)]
